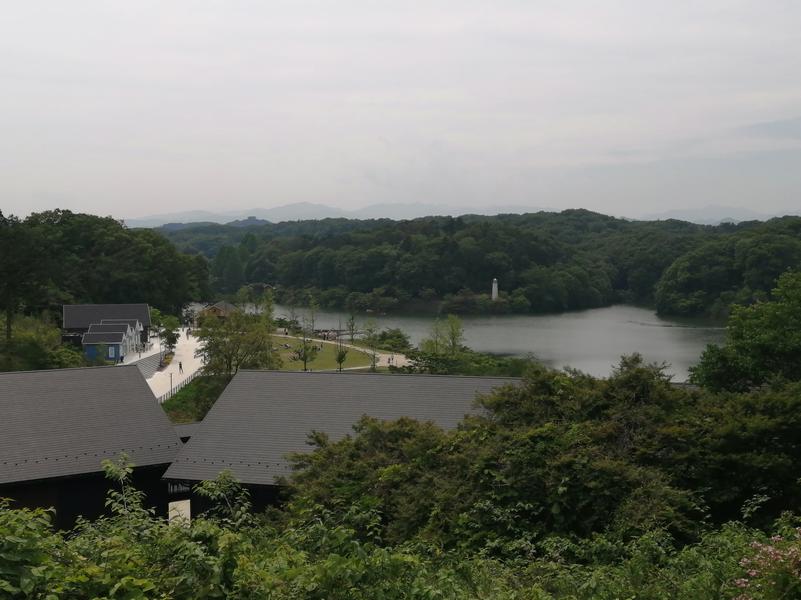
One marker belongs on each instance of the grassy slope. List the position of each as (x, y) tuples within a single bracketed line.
[(193, 401), (326, 359)]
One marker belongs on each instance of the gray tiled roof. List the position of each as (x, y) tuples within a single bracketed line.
[(132, 322), (264, 415), (80, 316), (106, 327), (66, 421), (104, 337), (186, 430)]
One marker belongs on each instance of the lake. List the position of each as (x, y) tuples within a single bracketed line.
[(590, 340)]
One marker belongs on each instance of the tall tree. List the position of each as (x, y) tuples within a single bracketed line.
[(351, 325), (436, 342), (238, 341), (22, 270), (169, 332), (342, 350), (454, 335), (306, 351), (370, 336)]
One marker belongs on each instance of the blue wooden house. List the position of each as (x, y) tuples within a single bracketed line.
[(108, 345)]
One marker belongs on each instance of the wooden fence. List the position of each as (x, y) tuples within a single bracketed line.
[(164, 397)]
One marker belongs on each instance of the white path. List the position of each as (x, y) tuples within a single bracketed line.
[(185, 356), (161, 382), (133, 357)]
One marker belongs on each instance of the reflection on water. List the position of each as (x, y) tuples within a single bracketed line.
[(591, 340)]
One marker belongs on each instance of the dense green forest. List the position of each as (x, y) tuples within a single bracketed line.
[(58, 257), (545, 262)]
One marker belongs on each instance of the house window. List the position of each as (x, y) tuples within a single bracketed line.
[(111, 351)]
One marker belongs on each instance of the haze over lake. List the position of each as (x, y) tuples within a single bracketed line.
[(590, 340)]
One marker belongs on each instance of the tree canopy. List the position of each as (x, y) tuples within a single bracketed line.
[(238, 341), (545, 262), (59, 257), (763, 342)]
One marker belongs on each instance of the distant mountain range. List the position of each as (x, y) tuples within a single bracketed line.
[(300, 211), (711, 215)]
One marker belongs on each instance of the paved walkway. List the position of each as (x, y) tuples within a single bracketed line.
[(133, 357), (185, 355), (161, 382)]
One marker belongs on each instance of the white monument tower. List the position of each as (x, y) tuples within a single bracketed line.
[(494, 289)]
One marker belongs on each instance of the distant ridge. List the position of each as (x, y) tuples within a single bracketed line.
[(710, 215), (301, 211)]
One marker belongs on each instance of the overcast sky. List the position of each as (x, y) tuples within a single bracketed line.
[(627, 107)]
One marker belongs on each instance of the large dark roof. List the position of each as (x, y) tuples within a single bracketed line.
[(264, 415), (223, 306), (132, 322), (65, 422), (105, 327), (103, 337), (186, 430), (80, 316)]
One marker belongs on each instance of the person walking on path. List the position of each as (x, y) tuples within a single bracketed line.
[(180, 367)]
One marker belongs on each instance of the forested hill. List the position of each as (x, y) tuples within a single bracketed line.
[(59, 257), (544, 261)]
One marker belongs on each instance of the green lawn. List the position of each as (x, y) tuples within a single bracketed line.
[(193, 401), (326, 358)]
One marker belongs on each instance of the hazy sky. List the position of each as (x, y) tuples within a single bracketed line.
[(622, 106)]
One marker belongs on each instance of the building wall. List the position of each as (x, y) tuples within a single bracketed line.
[(261, 496), (93, 350), (74, 335), (85, 495)]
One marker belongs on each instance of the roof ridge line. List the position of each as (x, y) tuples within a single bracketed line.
[(362, 374), (96, 367)]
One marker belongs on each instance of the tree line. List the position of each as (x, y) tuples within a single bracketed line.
[(59, 257), (545, 262)]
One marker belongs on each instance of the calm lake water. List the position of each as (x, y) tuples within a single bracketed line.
[(590, 340)]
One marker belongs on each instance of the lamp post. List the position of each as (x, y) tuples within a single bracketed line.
[(170, 383)]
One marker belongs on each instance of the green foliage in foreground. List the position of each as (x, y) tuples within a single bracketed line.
[(565, 487), (763, 343), (564, 454), (308, 554)]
